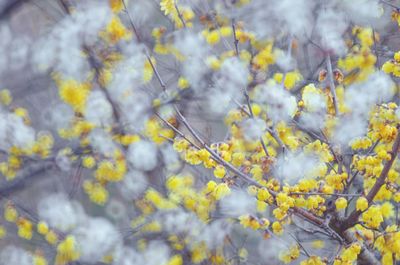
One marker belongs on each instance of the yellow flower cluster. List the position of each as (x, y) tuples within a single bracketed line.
[(290, 255), (336, 181), (39, 259), (67, 251), (373, 216), (289, 79), (158, 134), (264, 58), (73, 93), (393, 66), (383, 123), (180, 15), (361, 57), (115, 31), (361, 143), (349, 255), (108, 171), (388, 244), (213, 37), (96, 191), (25, 228), (248, 221), (313, 260), (116, 5), (5, 97)]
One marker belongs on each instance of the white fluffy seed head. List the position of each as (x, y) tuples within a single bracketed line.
[(96, 238), (143, 155), (59, 212)]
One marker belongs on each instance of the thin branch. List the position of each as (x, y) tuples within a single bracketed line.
[(326, 194), (235, 40), (180, 15), (332, 83), (300, 245)]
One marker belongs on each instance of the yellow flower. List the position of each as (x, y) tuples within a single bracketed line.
[(116, 5), (261, 206), (361, 143), (175, 260), (387, 258), (264, 58), (361, 204), (341, 203), (226, 31), (97, 193), (5, 97), (88, 161), (277, 228), (290, 255), (221, 190), (74, 93), (67, 251), (372, 217), (115, 31), (167, 6), (387, 210), (51, 237), (212, 37), (237, 159), (180, 144), (396, 197), (24, 228), (183, 83), (10, 213), (42, 228), (350, 254), (39, 260), (148, 69), (243, 253), (263, 195), (219, 171), (313, 260), (291, 78), (213, 62), (3, 232)]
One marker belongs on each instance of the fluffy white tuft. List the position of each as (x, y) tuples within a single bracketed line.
[(54, 209), (143, 155)]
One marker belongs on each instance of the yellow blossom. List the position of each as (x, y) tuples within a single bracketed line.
[(341, 203), (74, 93), (277, 228), (175, 260), (115, 31), (373, 217), (219, 171), (3, 232), (290, 255), (183, 83), (42, 228), (116, 5), (361, 204), (212, 37), (221, 190), (10, 213), (97, 193), (5, 97)]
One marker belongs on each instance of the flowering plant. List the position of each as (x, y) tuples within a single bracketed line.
[(203, 132)]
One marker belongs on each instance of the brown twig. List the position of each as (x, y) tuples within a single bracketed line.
[(332, 83)]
